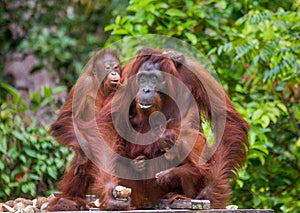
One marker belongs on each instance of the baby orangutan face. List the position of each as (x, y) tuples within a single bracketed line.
[(109, 68)]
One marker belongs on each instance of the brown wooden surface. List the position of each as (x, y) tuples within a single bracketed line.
[(178, 206)]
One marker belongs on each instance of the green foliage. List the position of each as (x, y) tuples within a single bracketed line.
[(183, 19), (31, 161), (266, 47), (267, 41), (54, 44)]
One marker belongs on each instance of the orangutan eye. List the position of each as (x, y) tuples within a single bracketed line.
[(107, 66), (142, 79), (116, 67), (153, 78)]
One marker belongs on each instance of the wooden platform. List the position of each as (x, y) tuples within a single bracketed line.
[(178, 206), (184, 210)]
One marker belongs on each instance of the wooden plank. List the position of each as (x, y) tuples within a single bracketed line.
[(178, 206), (182, 211)]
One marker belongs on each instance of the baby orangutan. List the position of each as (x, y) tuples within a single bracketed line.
[(100, 79)]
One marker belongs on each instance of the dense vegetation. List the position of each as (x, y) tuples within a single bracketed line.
[(254, 46)]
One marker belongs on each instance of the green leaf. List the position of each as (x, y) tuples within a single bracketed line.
[(255, 154), (296, 111), (150, 19), (52, 172), (18, 135), (175, 12), (28, 187), (30, 152), (34, 176), (161, 5), (120, 32), (118, 18), (17, 97), (220, 50), (257, 114), (43, 167), (240, 183), (46, 102), (109, 27), (244, 49), (282, 107), (23, 158), (3, 144), (227, 47), (2, 166), (260, 148), (213, 50), (7, 190), (191, 37), (36, 97), (5, 178), (297, 144), (6, 114), (265, 121)]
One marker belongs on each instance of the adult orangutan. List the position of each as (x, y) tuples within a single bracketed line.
[(131, 126), (100, 78)]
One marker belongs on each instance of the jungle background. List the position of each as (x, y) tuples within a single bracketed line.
[(254, 46)]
